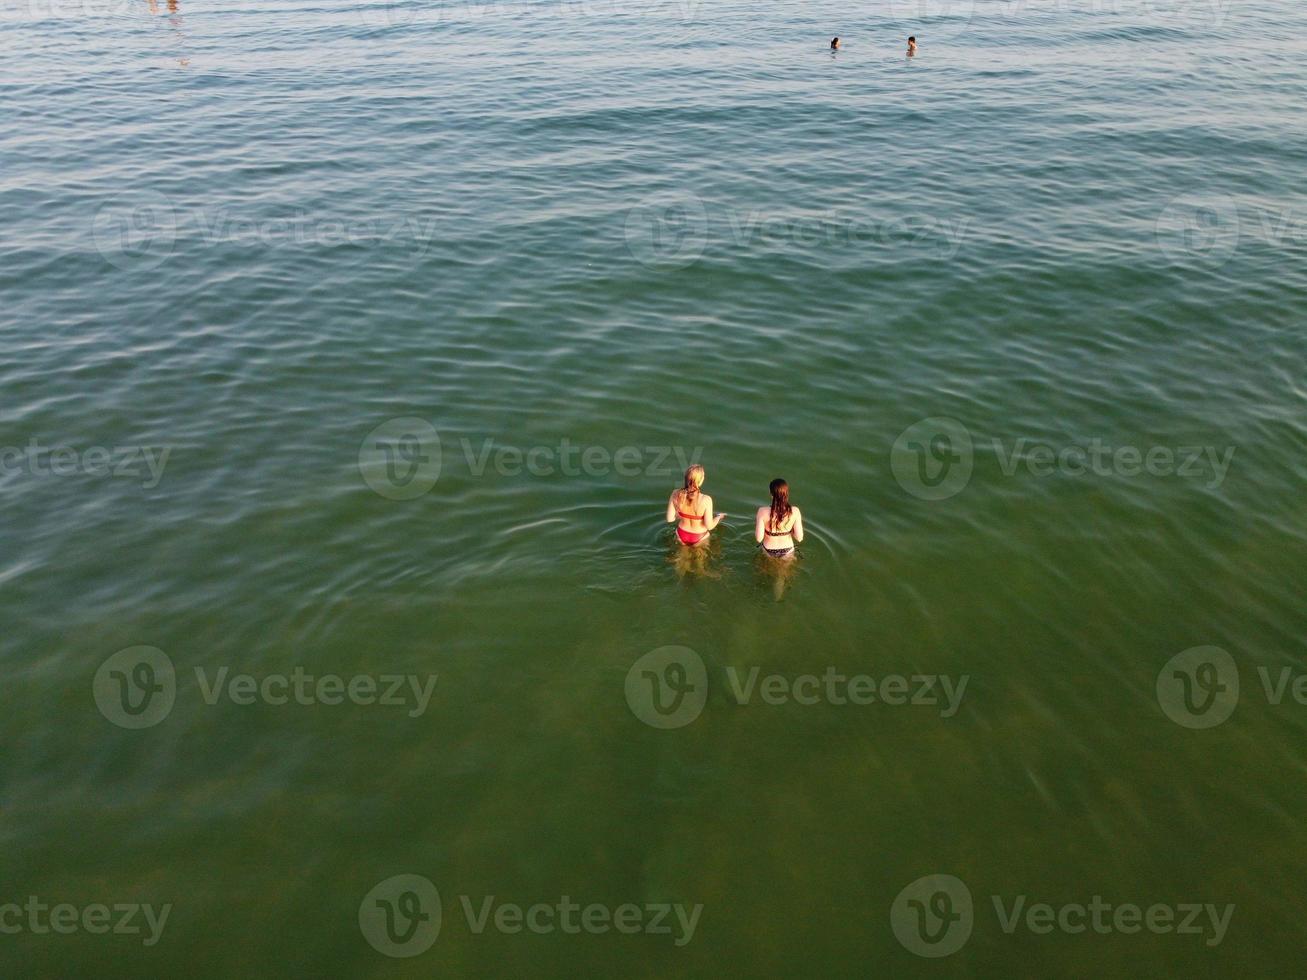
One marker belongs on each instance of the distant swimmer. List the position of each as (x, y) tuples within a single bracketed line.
[(834, 43), (691, 510), (912, 46), (779, 526)]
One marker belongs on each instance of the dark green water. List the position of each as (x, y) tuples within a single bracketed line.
[(1021, 320)]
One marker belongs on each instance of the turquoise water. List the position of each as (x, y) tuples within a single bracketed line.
[(368, 341)]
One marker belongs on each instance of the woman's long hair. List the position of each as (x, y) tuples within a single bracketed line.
[(780, 503), (689, 492)]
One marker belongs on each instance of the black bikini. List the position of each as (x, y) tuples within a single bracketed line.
[(779, 552)]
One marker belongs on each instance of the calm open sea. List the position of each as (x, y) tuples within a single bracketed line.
[(346, 342)]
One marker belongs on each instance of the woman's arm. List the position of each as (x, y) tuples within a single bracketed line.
[(671, 508), (708, 517), (760, 524), (797, 529)]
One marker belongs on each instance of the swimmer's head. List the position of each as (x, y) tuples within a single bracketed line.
[(912, 41), (834, 43), (693, 480)]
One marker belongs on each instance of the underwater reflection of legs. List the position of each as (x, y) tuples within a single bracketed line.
[(694, 560), (778, 570)]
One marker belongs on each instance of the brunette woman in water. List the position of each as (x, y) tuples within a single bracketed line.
[(778, 527)]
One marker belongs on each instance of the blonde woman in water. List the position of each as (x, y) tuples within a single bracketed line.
[(691, 510), (778, 527)]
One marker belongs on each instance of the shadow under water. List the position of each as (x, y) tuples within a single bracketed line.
[(775, 572), (703, 560)]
